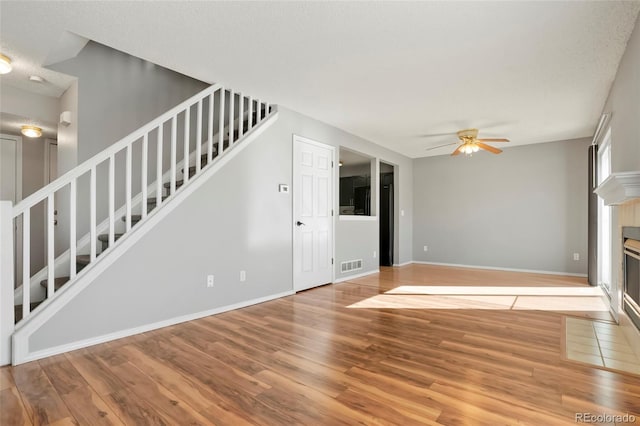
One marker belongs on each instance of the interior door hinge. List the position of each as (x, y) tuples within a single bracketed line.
[(332, 164), (331, 212), (332, 260)]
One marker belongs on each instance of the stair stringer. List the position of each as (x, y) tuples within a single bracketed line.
[(21, 352)]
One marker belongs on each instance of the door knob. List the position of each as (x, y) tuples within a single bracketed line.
[(298, 223)]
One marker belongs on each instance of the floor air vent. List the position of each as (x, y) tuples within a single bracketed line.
[(351, 265)]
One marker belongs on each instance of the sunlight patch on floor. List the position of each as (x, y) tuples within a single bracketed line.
[(498, 290), (557, 299)]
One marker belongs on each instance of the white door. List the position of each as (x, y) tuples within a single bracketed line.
[(312, 213), (11, 189)]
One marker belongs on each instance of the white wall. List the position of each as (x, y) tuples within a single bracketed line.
[(525, 208), (237, 221)]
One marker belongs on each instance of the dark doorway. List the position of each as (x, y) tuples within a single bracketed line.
[(386, 214)]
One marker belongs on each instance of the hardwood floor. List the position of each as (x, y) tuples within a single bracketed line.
[(316, 358)]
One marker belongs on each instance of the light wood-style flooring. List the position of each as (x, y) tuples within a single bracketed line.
[(331, 356)]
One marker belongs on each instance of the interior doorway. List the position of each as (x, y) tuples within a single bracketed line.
[(11, 190), (387, 212), (313, 227)]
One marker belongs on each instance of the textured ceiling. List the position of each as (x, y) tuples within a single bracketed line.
[(390, 72)]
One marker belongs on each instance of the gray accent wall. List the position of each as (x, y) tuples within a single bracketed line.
[(524, 209), (236, 221)]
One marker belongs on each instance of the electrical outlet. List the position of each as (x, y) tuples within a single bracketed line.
[(401, 212), (375, 254), (576, 256), (209, 280), (426, 248), (243, 276)]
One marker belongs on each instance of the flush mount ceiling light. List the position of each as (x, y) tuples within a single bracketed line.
[(5, 64), (31, 131), (36, 79)]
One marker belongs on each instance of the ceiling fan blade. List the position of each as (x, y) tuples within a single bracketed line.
[(493, 140), (440, 146), (488, 148), (457, 151)]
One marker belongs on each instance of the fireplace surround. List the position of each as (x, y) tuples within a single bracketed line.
[(631, 265)]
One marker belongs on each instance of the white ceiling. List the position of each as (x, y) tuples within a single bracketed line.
[(390, 72)]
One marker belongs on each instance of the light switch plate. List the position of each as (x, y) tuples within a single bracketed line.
[(283, 188)]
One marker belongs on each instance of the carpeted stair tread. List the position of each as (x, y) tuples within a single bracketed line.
[(105, 237), (17, 310), (134, 218), (57, 283), (153, 199)]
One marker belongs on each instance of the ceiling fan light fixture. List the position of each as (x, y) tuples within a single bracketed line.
[(475, 148), (31, 131), (5, 64)]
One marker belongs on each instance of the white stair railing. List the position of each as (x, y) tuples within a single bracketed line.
[(145, 139)]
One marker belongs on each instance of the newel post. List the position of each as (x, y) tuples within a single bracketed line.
[(6, 281)]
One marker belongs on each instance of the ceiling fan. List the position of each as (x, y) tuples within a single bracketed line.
[(471, 143)]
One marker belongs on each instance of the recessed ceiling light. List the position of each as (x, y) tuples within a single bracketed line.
[(5, 64), (36, 78), (31, 131)]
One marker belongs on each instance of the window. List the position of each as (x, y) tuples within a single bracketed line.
[(355, 183), (604, 217)]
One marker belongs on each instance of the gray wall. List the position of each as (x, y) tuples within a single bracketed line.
[(624, 105), (237, 221), (525, 208), (116, 94)]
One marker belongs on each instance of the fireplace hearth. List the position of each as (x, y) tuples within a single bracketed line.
[(631, 250)]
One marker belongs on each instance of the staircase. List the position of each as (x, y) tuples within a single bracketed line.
[(189, 140)]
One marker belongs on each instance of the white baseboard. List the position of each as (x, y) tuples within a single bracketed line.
[(33, 356), (351, 277), (404, 263), (495, 268)]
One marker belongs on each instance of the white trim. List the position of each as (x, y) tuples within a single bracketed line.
[(354, 276), (93, 270), (6, 281), (357, 218), (144, 328), (619, 188), (496, 268), (603, 124), (403, 264)]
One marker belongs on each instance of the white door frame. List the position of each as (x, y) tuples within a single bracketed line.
[(334, 216)]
